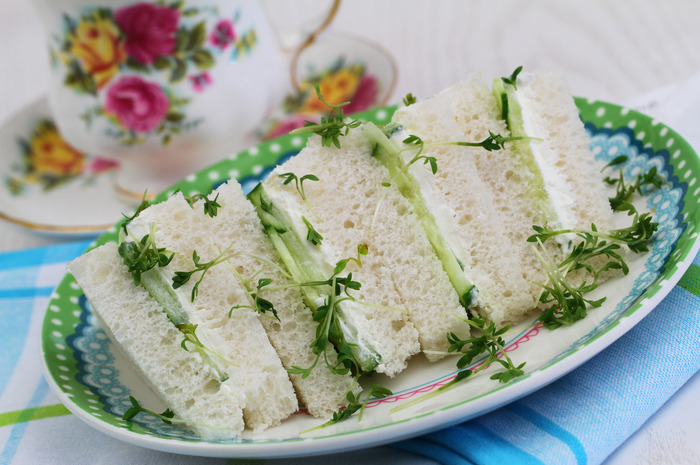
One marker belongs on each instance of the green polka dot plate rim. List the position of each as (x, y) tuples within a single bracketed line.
[(92, 378)]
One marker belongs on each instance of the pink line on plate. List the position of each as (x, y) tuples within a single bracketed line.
[(424, 389)]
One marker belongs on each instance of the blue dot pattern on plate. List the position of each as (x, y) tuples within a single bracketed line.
[(666, 203), (97, 369), (249, 182)]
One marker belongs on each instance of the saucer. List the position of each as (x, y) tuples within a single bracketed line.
[(48, 186), (350, 70)]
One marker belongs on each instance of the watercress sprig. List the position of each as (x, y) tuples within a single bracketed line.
[(331, 127), (260, 305), (211, 207), (182, 277), (299, 183), (625, 190), (355, 403), (143, 255), (312, 235), (568, 302), (166, 417)]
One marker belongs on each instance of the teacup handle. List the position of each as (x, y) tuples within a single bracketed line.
[(293, 50), (309, 41)]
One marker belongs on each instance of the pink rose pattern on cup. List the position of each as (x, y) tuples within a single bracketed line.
[(137, 104), (149, 30), (112, 53)]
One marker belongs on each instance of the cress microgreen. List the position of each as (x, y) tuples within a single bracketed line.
[(331, 127), (143, 255), (491, 143), (329, 328), (260, 305), (409, 100), (166, 416), (182, 277), (142, 206), (625, 191), (512, 79), (355, 403), (568, 303), (210, 206), (312, 235), (189, 330), (490, 341), (299, 183)]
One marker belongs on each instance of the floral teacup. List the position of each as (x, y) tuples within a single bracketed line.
[(163, 87)]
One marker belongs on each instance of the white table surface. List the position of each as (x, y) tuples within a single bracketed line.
[(610, 50)]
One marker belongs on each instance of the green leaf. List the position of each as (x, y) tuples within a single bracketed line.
[(409, 100), (181, 37), (203, 59), (174, 117), (135, 65), (312, 235), (197, 36), (161, 62), (512, 79), (179, 71)]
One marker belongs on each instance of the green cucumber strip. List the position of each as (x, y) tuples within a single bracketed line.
[(158, 286), (388, 154), (293, 253), (160, 290), (511, 111)]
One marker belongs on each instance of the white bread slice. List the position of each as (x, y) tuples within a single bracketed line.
[(137, 324), (472, 221), (241, 339), (401, 269), (476, 113), (551, 116), (237, 222)]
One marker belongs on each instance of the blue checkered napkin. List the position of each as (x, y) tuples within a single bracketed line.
[(27, 280), (583, 417)]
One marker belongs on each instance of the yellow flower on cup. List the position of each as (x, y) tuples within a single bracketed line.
[(49, 156), (341, 83), (97, 43), (46, 160), (337, 86)]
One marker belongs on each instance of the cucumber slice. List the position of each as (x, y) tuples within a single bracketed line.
[(304, 269), (388, 154), (159, 288), (506, 96)]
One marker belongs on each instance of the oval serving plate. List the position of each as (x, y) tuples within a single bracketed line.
[(94, 381)]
